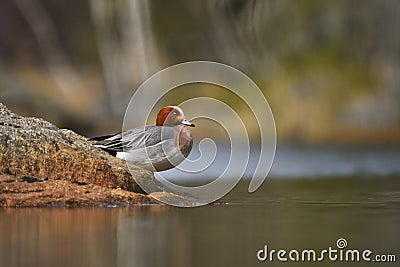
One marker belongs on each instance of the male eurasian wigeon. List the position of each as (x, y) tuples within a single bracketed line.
[(156, 148)]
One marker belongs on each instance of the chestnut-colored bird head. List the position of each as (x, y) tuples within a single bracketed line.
[(172, 116)]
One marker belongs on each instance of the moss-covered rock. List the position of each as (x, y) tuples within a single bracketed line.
[(42, 165)]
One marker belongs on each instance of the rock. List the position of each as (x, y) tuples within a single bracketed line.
[(177, 199), (42, 165)]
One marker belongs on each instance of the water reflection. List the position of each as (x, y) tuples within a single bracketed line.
[(150, 239), (284, 214)]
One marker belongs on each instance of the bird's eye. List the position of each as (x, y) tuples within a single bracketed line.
[(174, 113)]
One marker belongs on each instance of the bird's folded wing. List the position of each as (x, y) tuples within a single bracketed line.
[(136, 138)]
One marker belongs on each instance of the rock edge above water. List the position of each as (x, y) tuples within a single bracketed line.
[(44, 166)]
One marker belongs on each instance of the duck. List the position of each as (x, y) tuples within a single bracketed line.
[(154, 147)]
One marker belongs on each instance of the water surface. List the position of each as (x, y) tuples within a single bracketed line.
[(284, 213)]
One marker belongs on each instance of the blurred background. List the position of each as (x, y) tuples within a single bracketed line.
[(329, 69)]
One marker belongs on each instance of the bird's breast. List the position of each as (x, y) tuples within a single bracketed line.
[(184, 141)]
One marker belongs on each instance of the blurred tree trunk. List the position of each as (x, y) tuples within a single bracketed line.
[(126, 47), (236, 30), (66, 78)]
